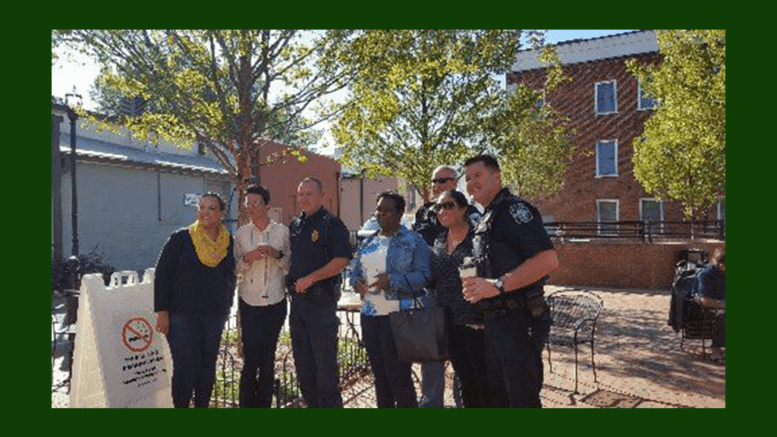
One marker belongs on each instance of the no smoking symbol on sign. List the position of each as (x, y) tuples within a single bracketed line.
[(137, 334)]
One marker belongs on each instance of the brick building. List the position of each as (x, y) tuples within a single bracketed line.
[(607, 111), (282, 175), (606, 108)]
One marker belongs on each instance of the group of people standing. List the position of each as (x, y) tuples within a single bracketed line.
[(201, 265), (498, 320)]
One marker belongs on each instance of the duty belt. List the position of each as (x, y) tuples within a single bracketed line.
[(531, 297), (503, 303), (319, 293)]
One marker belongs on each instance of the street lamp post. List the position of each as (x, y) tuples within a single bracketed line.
[(73, 101)]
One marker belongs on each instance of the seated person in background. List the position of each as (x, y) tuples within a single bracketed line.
[(710, 290)]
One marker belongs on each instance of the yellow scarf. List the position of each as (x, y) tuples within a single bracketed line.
[(208, 251)]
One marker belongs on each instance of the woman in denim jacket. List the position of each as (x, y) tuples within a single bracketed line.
[(390, 270)]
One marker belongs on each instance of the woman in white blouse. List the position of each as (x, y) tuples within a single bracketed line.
[(262, 253)]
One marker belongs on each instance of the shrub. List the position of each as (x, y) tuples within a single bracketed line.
[(92, 262)]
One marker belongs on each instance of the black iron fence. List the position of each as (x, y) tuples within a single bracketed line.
[(352, 358), (644, 231)]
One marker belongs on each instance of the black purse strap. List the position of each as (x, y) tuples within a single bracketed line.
[(412, 294)]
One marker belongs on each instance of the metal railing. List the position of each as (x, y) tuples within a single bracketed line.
[(352, 358), (644, 231)]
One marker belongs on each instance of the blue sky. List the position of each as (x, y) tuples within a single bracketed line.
[(555, 36)]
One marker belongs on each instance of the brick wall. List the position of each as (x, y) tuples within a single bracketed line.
[(621, 265), (282, 178), (577, 199)]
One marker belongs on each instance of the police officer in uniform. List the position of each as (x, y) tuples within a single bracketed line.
[(514, 256), (320, 250)]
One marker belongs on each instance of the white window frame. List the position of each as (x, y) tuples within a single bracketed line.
[(615, 152), (651, 199), (599, 229), (660, 224), (639, 99), (614, 96)]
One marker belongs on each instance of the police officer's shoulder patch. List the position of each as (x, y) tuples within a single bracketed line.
[(521, 212)]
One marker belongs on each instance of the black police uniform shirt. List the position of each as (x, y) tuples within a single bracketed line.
[(516, 234), (315, 241)]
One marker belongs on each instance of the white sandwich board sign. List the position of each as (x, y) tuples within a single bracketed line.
[(119, 360)]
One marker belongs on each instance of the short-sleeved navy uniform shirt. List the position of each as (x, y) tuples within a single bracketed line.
[(516, 233), (315, 241)]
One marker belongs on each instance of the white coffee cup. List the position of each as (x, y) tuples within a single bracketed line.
[(467, 271)]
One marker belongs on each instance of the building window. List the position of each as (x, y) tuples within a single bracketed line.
[(541, 101), (607, 212), (721, 210), (606, 97), (651, 211), (606, 158), (643, 101), (132, 107), (536, 114)]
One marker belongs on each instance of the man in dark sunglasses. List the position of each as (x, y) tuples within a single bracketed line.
[(444, 178)]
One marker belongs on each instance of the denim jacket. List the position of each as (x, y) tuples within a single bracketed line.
[(407, 265)]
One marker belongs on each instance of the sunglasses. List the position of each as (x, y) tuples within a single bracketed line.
[(442, 180), (448, 206)]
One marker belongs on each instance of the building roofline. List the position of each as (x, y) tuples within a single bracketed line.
[(123, 161), (579, 40), (113, 119), (592, 49), (95, 150)]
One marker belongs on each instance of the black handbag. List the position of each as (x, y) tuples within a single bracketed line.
[(420, 334)]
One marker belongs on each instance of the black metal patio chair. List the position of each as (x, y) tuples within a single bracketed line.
[(574, 314), (699, 323), (686, 314)]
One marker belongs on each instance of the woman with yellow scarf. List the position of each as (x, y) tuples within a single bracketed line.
[(194, 286)]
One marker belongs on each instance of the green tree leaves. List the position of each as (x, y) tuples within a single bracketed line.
[(424, 98), (682, 152), (223, 89), (537, 148)]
